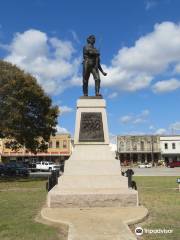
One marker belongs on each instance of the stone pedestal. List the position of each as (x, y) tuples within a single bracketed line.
[(92, 176), (91, 119)]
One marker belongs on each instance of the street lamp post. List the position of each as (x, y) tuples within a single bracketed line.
[(152, 150)]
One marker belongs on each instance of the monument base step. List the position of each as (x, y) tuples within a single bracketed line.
[(92, 182), (92, 198)]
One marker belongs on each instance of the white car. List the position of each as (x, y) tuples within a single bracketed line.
[(47, 166), (145, 165)]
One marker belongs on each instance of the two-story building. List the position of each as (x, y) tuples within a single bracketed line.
[(132, 149), (59, 149), (170, 148)]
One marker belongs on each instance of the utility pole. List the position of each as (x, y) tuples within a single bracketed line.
[(152, 149)]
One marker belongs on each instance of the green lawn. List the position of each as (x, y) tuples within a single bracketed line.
[(161, 198), (20, 201)]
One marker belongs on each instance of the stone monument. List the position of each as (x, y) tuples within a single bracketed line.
[(92, 176)]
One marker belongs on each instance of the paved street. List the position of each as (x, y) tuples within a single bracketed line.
[(40, 174), (159, 171)]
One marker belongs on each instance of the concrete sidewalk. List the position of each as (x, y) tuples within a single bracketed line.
[(96, 223)]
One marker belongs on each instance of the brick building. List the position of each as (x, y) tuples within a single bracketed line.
[(59, 150)]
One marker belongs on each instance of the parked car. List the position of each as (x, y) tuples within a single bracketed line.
[(47, 166), (174, 164), (32, 167), (145, 165), (15, 169)]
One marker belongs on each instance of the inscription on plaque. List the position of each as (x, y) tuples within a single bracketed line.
[(91, 127)]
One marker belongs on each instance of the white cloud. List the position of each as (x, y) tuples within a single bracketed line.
[(112, 144), (134, 133), (135, 67), (75, 36), (126, 119), (52, 60), (149, 4), (48, 59), (135, 119), (112, 138), (63, 49), (171, 129), (113, 95), (151, 127), (166, 86), (144, 113), (177, 68), (161, 131), (61, 129), (113, 147), (65, 109), (138, 120), (175, 126), (152, 53)]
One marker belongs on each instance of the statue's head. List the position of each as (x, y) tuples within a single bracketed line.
[(91, 39)]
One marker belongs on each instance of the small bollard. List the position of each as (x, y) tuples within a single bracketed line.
[(129, 174), (178, 181), (52, 180)]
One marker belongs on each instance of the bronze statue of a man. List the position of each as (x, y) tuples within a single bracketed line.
[(91, 64)]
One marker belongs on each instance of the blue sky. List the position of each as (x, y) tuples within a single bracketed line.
[(140, 50)]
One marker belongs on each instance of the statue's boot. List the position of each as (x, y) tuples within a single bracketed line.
[(97, 87), (85, 90)]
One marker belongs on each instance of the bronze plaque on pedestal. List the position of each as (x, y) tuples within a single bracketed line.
[(91, 127)]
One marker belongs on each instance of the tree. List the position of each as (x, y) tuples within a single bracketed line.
[(26, 112)]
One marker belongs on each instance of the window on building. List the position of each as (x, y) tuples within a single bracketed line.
[(64, 144), (50, 144), (122, 144), (57, 144), (173, 146), (128, 146), (166, 146), (134, 146), (142, 145)]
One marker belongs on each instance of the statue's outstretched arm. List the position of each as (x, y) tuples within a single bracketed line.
[(100, 68)]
